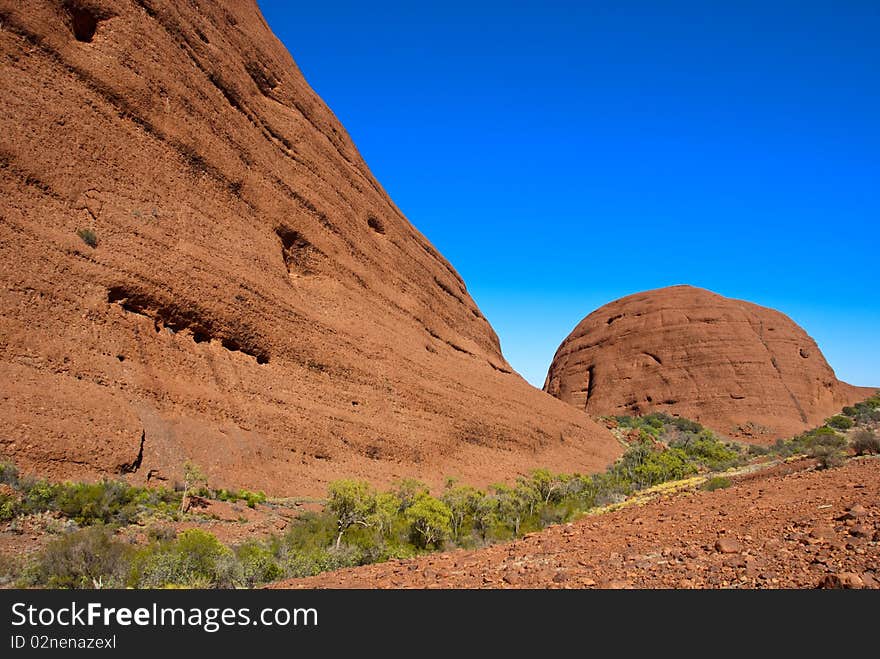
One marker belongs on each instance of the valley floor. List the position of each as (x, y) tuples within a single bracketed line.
[(790, 526)]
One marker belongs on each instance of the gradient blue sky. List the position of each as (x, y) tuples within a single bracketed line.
[(564, 154)]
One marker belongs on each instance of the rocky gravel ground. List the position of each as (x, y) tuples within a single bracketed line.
[(792, 526)]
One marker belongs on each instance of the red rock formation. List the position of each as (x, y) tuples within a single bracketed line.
[(736, 367), (252, 299)]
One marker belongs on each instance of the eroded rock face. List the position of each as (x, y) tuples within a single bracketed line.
[(741, 369), (193, 252)]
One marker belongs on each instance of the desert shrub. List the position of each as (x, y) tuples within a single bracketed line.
[(10, 569), (824, 444), (611, 486), (87, 558), (717, 483), (250, 498), (311, 563), (107, 502), (865, 441), (828, 456), (256, 564), (9, 474), (161, 533), (310, 531), (194, 559), (807, 443), (710, 452), (867, 411), (659, 424), (37, 496), (8, 507), (840, 422), (643, 465), (87, 503), (88, 236), (685, 425)]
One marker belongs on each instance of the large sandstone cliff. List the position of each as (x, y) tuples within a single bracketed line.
[(744, 370), (255, 302)]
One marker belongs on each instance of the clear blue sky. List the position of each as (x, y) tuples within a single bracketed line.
[(563, 154)]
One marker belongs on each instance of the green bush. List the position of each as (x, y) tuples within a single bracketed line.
[(717, 483), (309, 564), (865, 441), (8, 508), (88, 236), (828, 456), (105, 502), (868, 411), (195, 559), (257, 564), (643, 465), (840, 422), (250, 498), (88, 558), (9, 474), (708, 450)]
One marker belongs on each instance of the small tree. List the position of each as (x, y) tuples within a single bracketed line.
[(463, 502), (548, 485), (385, 514), (408, 491), (352, 503), (485, 514), (515, 504), (840, 422), (430, 520), (193, 476)]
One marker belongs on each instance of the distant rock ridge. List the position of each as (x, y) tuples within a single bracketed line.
[(744, 370)]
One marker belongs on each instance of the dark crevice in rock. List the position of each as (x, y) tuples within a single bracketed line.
[(446, 289), (653, 356), (500, 369), (300, 256), (83, 22), (458, 348), (265, 81), (178, 318), (613, 318), (134, 465), (591, 384), (376, 225)]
